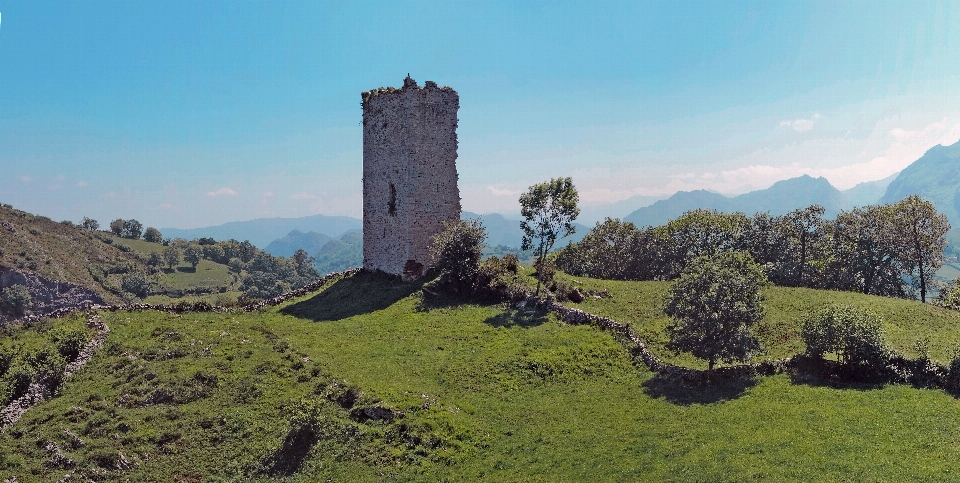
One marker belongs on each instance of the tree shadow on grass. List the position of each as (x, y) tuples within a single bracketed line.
[(518, 318), (718, 390), (359, 294), (811, 372), (187, 269)]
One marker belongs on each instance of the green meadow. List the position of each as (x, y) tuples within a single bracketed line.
[(486, 392)]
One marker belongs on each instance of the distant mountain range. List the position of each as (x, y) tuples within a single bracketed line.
[(936, 178), (262, 231), (783, 197)]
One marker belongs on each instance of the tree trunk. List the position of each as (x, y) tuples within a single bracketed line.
[(803, 257), (923, 281), (712, 362)]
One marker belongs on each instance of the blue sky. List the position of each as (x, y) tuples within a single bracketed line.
[(189, 114)]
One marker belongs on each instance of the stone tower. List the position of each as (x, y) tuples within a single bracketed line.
[(409, 174)]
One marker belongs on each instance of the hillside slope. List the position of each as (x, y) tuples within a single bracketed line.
[(59, 251), (488, 393)]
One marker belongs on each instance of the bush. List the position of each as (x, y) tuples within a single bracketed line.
[(135, 283), (7, 355), (70, 342), (48, 364), (19, 379), (546, 269), (16, 300), (456, 252), (854, 335)]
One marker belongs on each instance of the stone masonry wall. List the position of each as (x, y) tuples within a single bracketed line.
[(409, 174)]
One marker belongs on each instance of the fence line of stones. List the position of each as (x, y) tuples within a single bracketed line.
[(638, 349), (920, 372), (43, 389)]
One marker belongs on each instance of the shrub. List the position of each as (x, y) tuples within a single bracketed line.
[(853, 334), (456, 252), (48, 364), (70, 342), (546, 269), (135, 283), (19, 379), (7, 355), (89, 223), (16, 299)]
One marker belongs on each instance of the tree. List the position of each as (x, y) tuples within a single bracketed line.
[(154, 260), (132, 229), (613, 249), (863, 252), (89, 224), (803, 230), (698, 233), (171, 256), (152, 235), (921, 236), (135, 283), (714, 304), (192, 254), (456, 252), (548, 210), (116, 226)]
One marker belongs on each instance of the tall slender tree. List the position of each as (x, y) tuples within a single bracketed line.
[(921, 235), (548, 210)]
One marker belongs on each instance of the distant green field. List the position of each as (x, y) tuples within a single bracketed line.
[(208, 275), (489, 394)]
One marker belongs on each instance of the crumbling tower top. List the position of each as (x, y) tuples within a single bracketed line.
[(409, 174)]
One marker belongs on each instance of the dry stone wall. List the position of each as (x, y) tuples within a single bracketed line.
[(409, 174)]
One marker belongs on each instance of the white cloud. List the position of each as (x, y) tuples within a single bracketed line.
[(223, 191), (503, 192), (304, 196), (25, 179), (268, 194), (81, 184), (166, 206), (800, 125)]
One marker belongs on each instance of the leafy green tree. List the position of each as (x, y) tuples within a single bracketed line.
[(613, 249), (16, 300), (863, 253), (171, 256), (89, 224), (802, 231), (921, 237), (698, 233), (235, 265), (548, 210), (152, 235), (456, 252), (116, 227), (154, 260), (714, 304), (192, 254), (132, 229)]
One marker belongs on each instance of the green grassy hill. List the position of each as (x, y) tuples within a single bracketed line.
[(59, 251), (488, 393)]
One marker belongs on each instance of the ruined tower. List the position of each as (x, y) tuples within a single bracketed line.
[(409, 174)]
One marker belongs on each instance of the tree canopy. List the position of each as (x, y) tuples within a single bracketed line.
[(714, 304), (548, 210)]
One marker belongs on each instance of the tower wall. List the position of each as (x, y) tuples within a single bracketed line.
[(409, 174)]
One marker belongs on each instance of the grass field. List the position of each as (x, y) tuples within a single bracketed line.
[(489, 394), (207, 276)]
